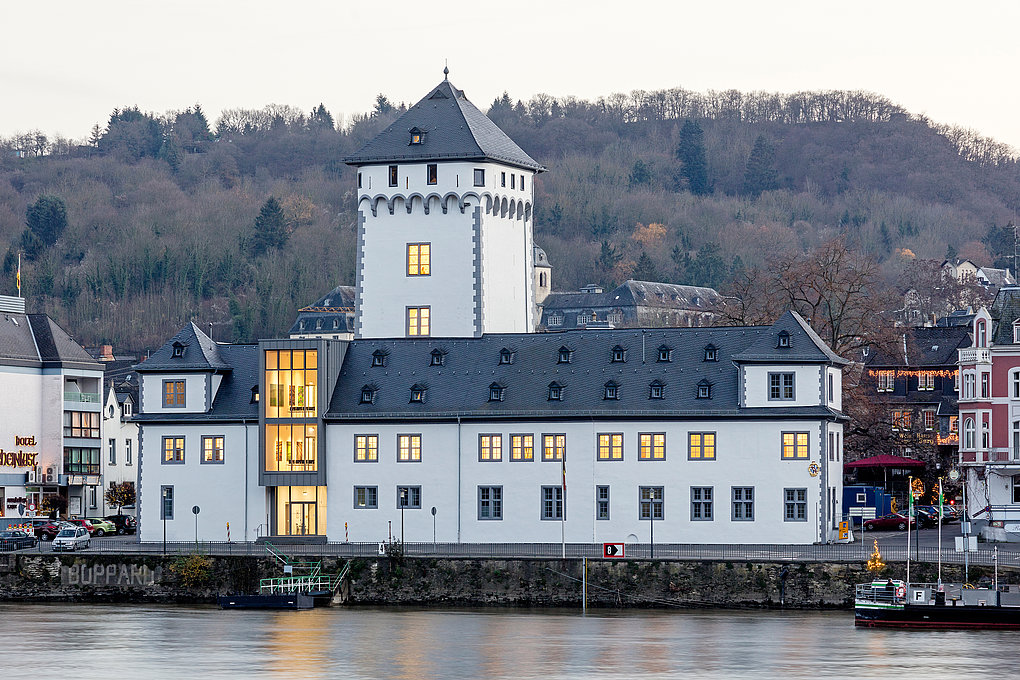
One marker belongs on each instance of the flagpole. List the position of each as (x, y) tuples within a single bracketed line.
[(19, 274), (941, 511), (563, 508), (910, 513)]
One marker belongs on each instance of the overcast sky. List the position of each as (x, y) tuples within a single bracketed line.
[(65, 65)]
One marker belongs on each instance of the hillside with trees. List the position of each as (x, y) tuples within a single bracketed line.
[(156, 219)]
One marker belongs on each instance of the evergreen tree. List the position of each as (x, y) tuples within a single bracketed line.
[(1000, 242), (321, 118), (690, 151), (708, 269), (383, 106), (639, 174), (270, 227), (760, 174), (645, 269), (606, 261), (46, 220)]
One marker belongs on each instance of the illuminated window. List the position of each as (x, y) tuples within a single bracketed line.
[(701, 446), (554, 446), (417, 136), (701, 503), (795, 505), (366, 497), (610, 446), (418, 321), (490, 502), (393, 175), (419, 259), (490, 447), (652, 446), (901, 420), (743, 503), (431, 173), (417, 394), (366, 448), (781, 386), (81, 424), (173, 450), (173, 394), (291, 377), (409, 448), (291, 448), (522, 447), (795, 446), (212, 449)]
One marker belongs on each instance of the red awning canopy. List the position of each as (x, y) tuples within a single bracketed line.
[(884, 461)]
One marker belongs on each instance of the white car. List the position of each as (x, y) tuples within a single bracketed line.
[(71, 538)]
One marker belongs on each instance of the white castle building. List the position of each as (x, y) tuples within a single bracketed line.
[(447, 417)]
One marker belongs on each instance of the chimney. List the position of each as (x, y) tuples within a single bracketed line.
[(106, 353)]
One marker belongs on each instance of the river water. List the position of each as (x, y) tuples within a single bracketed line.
[(80, 642)]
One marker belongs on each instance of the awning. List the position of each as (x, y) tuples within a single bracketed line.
[(884, 461)]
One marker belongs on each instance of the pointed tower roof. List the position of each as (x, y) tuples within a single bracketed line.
[(189, 350), (451, 128)]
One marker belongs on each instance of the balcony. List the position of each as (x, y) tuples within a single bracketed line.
[(81, 397), (975, 355), (1000, 457)]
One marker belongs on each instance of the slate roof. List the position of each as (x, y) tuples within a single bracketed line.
[(925, 346), (336, 305), (233, 400), (36, 340), (805, 345), (454, 130), (461, 386), (200, 353), (637, 294), (1005, 309)]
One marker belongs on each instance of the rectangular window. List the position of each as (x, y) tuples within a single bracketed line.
[(831, 391), (490, 502), (418, 321), (522, 447), (701, 446), (359, 180), (166, 495), (502, 179), (929, 420), (409, 497), (652, 446), (513, 181), (886, 381), (610, 446), (409, 448), (82, 461), (173, 394), (366, 448), (490, 447), (901, 420), (127, 452), (419, 259), (650, 504), (432, 173), (1016, 385), (554, 446), (795, 504), (552, 502), (212, 449), (393, 175), (832, 446), (926, 381), (743, 503), (479, 177), (173, 450), (701, 503), (601, 502), (522, 182), (985, 377), (795, 446), (113, 451), (81, 424), (366, 497), (781, 386), (292, 448), (291, 380)]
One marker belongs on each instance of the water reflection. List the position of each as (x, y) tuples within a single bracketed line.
[(104, 641)]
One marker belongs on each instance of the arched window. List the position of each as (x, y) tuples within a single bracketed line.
[(968, 433), (981, 340)]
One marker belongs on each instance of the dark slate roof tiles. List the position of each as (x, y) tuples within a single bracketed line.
[(199, 353)]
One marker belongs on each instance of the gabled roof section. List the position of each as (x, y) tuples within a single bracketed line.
[(1005, 309), (36, 340), (199, 353), (805, 345), (925, 346), (454, 130)]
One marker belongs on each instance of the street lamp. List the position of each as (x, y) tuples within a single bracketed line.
[(403, 504), (433, 528), (165, 494)]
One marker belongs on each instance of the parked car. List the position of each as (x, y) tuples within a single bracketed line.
[(83, 523), (16, 540), (948, 513), (891, 521), (125, 524), (71, 538), (101, 527), (926, 517), (47, 529)]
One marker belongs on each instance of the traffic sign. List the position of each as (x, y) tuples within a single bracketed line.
[(612, 549)]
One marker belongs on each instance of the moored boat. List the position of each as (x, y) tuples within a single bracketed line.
[(896, 604)]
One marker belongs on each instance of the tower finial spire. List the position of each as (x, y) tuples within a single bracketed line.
[(446, 70)]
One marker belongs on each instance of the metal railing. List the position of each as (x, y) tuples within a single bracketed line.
[(82, 397)]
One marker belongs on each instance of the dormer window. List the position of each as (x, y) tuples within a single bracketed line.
[(178, 350), (665, 353), (1016, 331), (657, 390), (783, 340), (506, 357), (417, 394), (254, 399), (555, 392), (711, 353), (438, 358), (417, 136), (127, 404), (378, 358), (704, 390), (368, 394), (611, 390), (619, 355), (564, 355), (496, 392)]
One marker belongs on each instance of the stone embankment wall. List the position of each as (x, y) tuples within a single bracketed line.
[(459, 582)]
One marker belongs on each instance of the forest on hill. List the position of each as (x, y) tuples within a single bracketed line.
[(158, 219)]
